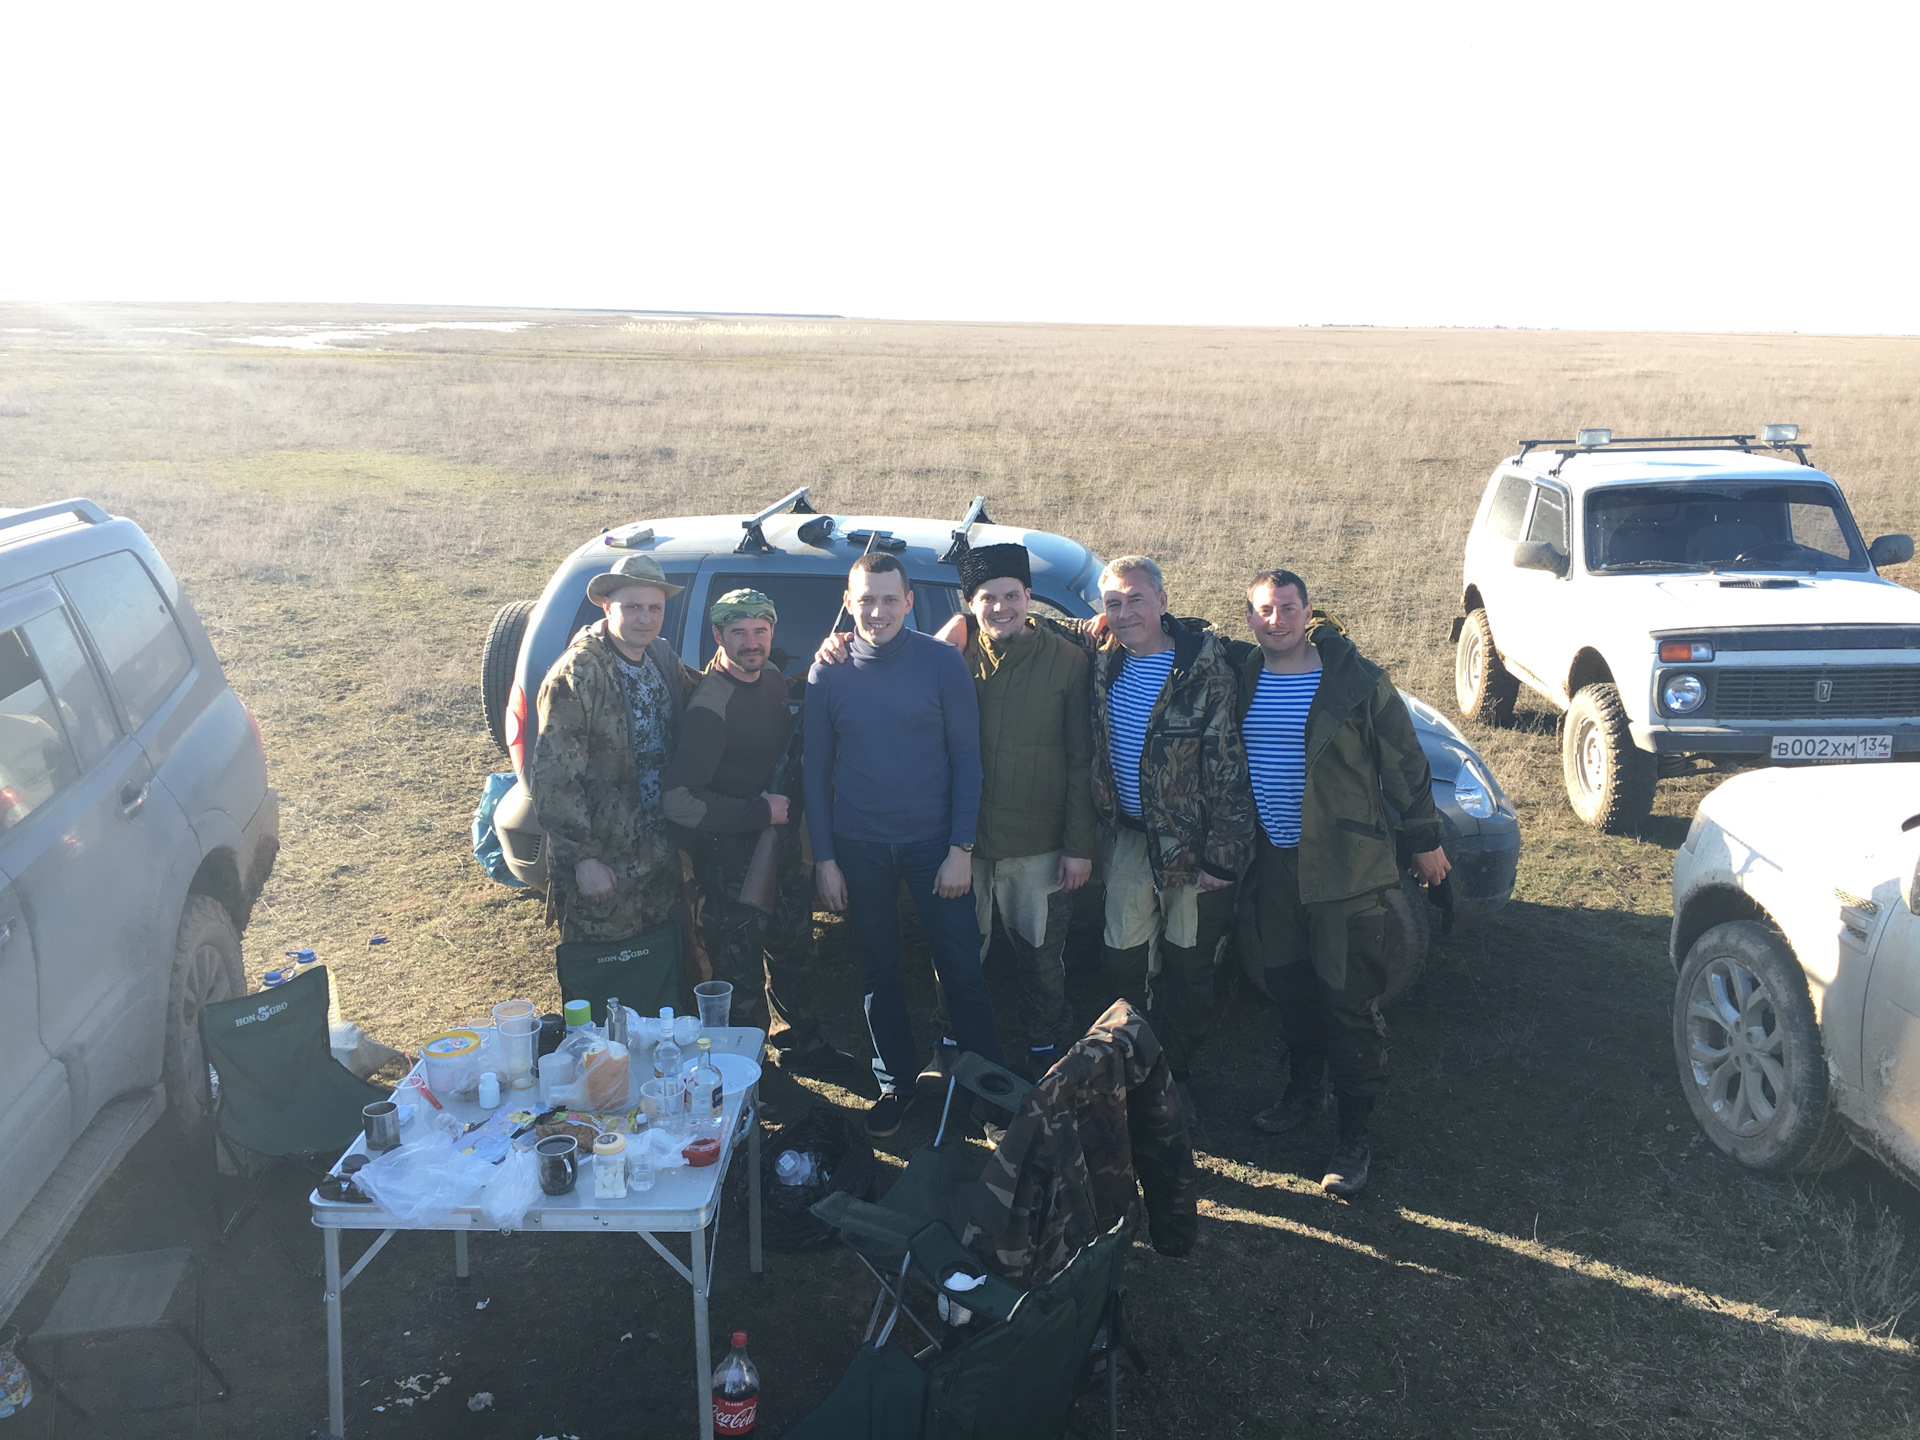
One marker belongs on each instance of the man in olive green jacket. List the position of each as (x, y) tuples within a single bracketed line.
[(1034, 844), (1329, 747)]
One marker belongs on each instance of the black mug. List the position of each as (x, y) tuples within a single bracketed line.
[(553, 1029), (559, 1163)]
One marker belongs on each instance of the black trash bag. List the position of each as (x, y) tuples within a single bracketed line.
[(842, 1160)]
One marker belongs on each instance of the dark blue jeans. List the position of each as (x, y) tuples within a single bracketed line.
[(874, 871)]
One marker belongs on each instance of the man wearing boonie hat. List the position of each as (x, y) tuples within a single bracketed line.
[(609, 712), (734, 779)]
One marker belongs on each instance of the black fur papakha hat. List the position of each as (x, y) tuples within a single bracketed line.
[(994, 562)]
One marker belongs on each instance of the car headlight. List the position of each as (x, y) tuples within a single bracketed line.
[(1472, 791), (1682, 694)]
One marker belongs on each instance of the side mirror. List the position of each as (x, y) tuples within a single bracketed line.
[(1891, 550), (1539, 555)]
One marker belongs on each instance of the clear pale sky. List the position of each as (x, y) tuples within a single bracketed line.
[(1666, 166)]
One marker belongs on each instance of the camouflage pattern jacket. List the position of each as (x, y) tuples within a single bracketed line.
[(587, 796), (1102, 1126), (1195, 798)]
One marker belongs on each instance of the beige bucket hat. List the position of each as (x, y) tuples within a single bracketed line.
[(630, 570)]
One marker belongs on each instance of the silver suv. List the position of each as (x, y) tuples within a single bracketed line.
[(136, 831)]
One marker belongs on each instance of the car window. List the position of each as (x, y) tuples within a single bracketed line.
[(1549, 521), (934, 605), (808, 606), (1817, 528), (35, 761), (1749, 524), (132, 628), (77, 691), (1509, 506)]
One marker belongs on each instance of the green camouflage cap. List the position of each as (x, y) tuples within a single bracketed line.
[(742, 605)]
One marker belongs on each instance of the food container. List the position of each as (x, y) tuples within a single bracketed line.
[(703, 1151), (610, 1167), (452, 1062)]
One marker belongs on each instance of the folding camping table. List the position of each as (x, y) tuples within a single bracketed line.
[(683, 1199)]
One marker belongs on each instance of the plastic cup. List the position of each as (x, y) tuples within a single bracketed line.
[(716, 1003), (665, 1105), (518, 1034), (686, 1030)]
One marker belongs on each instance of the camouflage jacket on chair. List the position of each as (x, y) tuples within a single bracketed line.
[(587, 795), (1101, 1127)]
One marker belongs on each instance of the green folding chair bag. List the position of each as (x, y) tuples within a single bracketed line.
[(880, 1397), (643, 972), (281, 1091)]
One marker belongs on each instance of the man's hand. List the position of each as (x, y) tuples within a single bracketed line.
[(593, 879), (955, 877), (834, 648), (1074, 873), (1210, 881), (1097, 628), (776, 807), (1430, 867), (832, 886), (954, 632)]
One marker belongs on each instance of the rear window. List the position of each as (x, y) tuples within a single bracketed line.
[(77, 692), (1549, 521), (808, 606), (673, 626), (1509, 505), (132, 628)]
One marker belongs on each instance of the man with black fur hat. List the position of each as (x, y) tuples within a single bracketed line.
[(1037, 831)]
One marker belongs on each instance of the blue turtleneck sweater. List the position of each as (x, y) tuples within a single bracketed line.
[(892, 745)]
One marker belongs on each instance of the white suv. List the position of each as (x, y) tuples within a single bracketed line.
[(1684, 599)]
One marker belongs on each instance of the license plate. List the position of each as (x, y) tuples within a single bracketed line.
[(1833, 747)]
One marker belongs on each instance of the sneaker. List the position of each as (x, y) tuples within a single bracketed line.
[(1189, 1112), (1347, 1171), (939, 1069), (888, 1114), (819, 1058), (1292, 1110)]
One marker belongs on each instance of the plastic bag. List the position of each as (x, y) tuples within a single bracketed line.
[(486, 840), (513, 1190), (423, 1180)]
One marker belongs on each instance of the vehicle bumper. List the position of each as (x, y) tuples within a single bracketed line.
[(1757, 739), (261, 846), (1484, 866)]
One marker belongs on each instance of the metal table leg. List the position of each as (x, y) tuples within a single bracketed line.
[(753, 1181), (702, 1346), (460, 1271), (336, 1364)]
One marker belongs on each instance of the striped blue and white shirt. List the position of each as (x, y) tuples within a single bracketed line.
[(1275, 732), (1129, 707)]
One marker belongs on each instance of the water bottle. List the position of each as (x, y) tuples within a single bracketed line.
[(666, 1054)]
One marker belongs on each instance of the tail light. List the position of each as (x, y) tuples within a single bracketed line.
[(517, 728), (254, 726)]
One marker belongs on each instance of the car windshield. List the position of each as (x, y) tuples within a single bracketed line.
[(1726, 525)]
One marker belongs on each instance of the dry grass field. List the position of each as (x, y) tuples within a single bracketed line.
[(1549, 1249)]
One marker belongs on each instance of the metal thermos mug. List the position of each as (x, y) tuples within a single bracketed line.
[(381, 1120)]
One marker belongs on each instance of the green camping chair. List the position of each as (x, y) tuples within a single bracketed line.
[(1012, 1372), (281, 1094), (644, 972)]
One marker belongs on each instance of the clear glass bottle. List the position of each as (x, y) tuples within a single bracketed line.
[(706, 1091), (666, 1054), (616, 1026)]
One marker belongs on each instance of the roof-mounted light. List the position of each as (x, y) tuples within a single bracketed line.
[(1779, 434), (1593, 437)]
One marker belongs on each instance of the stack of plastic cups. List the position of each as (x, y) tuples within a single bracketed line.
[(519, 1029), (716, 1006)]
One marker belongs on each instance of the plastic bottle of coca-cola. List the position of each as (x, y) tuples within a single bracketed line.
[(736, 1390)]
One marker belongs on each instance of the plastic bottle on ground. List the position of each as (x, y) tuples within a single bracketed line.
[(736, 1390)]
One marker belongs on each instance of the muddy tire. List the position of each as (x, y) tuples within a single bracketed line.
[(1482, 686), (499, 658), (207, 966), (1749, 1054), (1609, 779), (1409, 936)]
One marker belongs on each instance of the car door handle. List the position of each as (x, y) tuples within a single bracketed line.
[(132, 799)]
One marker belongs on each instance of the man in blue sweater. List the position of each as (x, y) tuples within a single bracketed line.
[(893, 791)]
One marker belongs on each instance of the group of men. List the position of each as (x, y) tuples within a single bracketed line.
[(986, 769)]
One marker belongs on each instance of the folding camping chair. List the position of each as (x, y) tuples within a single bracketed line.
[(281, 1094), (644, 972)]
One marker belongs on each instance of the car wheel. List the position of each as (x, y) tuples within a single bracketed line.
[(1409, 933), (1482, 686), (1748, 1048), (1610, 780), (499, 657), (206, 967)]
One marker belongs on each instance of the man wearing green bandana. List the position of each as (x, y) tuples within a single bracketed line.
[(734, 773)]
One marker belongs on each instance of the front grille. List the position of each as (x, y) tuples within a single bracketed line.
[(1883, 692)]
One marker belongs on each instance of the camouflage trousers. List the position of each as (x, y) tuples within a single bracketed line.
[(768, 957)]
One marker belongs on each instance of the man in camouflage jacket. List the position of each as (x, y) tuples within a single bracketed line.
[(1176, 811), (1102, 1126), (609, 711)]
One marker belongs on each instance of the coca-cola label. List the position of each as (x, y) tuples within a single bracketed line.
[(734, 1417)]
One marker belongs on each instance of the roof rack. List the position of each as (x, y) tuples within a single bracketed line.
[(1640, 444), (85, 510), (976, 515), (754, 542)]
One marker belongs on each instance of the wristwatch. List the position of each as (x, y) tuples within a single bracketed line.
[(968, 847)]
